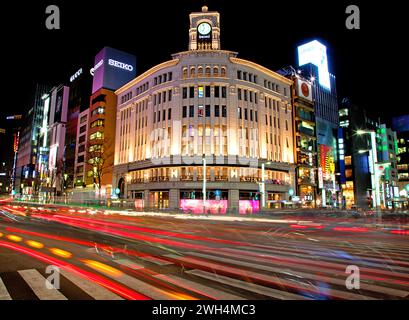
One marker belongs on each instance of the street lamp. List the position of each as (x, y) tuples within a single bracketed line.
[(374, 159), (204, 184)]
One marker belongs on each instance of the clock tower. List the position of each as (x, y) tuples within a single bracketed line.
[(204, 32)]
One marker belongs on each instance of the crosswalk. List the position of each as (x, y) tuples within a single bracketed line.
[(30, 284)]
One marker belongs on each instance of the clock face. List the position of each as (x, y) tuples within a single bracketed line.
[(204, 28)]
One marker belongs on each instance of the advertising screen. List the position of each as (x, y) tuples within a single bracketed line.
[(326, 162)]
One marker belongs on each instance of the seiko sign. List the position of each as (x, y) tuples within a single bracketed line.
[(120, 65)]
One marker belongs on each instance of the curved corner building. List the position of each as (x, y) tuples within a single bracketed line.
[(205, 113)]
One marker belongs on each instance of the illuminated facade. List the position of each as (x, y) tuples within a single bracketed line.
[(401, 126), (27, 181), (95, 128), (305, 141), (387, 147), (204, 103), (313, 64)]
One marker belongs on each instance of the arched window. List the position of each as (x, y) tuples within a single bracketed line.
[(208, 74), (223, 72), (200, 72), (192, 72), (184, 73), (215, 71)]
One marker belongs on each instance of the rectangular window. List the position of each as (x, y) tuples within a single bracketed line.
[(239, 93), (81, 139), (164, 115), (245, 95), (224, 111), (170, 76), (239, 113), (207, 110), (83, 129), (251, 96), (154, 117), (200, 111), (217, 92), (251, 115), (169, 114), (164, 96), (239, 74), (80, 159), (81, 148), (158, 116), (170, 95), (245, 114), (184, 93), (207, 91), (191, 111), (216, 111), (255, 98), (184, 112), (256, 115), (224, 92), (191, 92), (200, 91), (159, 98)]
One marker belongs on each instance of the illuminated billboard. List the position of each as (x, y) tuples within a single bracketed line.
[(316, 53), (303, 89), (112, 69), (326, 162)]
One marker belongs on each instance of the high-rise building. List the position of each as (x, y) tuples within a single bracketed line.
[(205, 130), (95, 141), (387, 167), (27, 181), (356, 181), (313, 64), (80, 84), (305, 140), (401, 126), (10, 128)]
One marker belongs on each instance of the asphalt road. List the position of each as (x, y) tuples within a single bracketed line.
[(112, 256)]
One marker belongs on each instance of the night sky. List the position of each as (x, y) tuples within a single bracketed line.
[(370, 64)]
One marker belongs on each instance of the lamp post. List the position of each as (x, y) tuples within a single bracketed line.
[(263, 184), (374, 159)]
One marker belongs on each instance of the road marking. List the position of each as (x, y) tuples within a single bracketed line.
[(331, 280), (128, 263), (143, 288), (199, 288), (4, 294), (252, 287), (273, 280), (38, 284), (157, 261), (94, 290)]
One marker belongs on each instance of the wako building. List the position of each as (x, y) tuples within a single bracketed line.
[(205, 123)]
